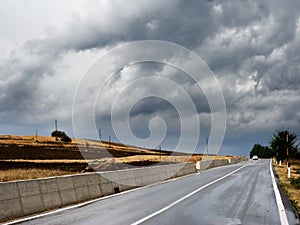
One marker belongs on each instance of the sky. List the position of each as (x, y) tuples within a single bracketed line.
[(152, 73)]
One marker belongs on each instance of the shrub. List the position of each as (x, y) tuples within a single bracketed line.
[(61, 135), (57, 133), (65, 138)]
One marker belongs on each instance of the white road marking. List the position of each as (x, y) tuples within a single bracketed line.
[(281, 209), (185, 197)]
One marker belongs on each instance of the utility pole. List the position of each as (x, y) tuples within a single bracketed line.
[(55, 125), (109, 141), (287, 156), (55, 122), (206, 147), (100, 133), (36, 136), (287, 149), (276, 155), (159, 153)]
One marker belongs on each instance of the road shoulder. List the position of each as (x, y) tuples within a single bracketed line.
[(290, 211)]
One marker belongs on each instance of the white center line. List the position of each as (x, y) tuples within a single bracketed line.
[(184, 197)]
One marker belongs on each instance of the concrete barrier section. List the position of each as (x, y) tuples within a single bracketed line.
[(204, 165), (81, 187), (66, 190), (30, 196), (50, 195), (22, 198), (106, 185), (10, 202)]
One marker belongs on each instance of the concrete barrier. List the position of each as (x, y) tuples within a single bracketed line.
[(204, 165), (22, 198), (10, 202)]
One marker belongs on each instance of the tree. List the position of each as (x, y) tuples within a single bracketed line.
[(57, 134), (284, 144), (261, 151), (61, 135)]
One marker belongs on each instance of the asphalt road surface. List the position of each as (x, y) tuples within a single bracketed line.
[(236, 194)]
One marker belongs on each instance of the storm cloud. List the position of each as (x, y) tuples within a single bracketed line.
[(252, 47)]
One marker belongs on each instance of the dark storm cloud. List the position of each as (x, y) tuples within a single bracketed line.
[(251, 46), (187, 24), (263, 40), (150, 105), (169, 21), (148, 108), (21, 75), (256, 53)]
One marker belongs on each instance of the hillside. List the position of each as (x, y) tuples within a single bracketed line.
[(47, 154)]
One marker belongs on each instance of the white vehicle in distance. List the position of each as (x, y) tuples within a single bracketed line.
[(255, 157)]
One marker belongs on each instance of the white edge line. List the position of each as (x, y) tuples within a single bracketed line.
[(52, 212), (183, 198), (281, 209)]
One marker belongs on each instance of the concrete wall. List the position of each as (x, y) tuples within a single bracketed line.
[(203, 165), (22, 198)]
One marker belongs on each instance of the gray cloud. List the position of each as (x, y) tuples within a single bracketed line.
[(251, 46)]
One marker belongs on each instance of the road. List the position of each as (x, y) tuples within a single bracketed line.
[(236, 194)]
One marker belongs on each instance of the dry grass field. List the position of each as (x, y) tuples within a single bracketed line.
[(25, 174), (290, 186), (29, 157)]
